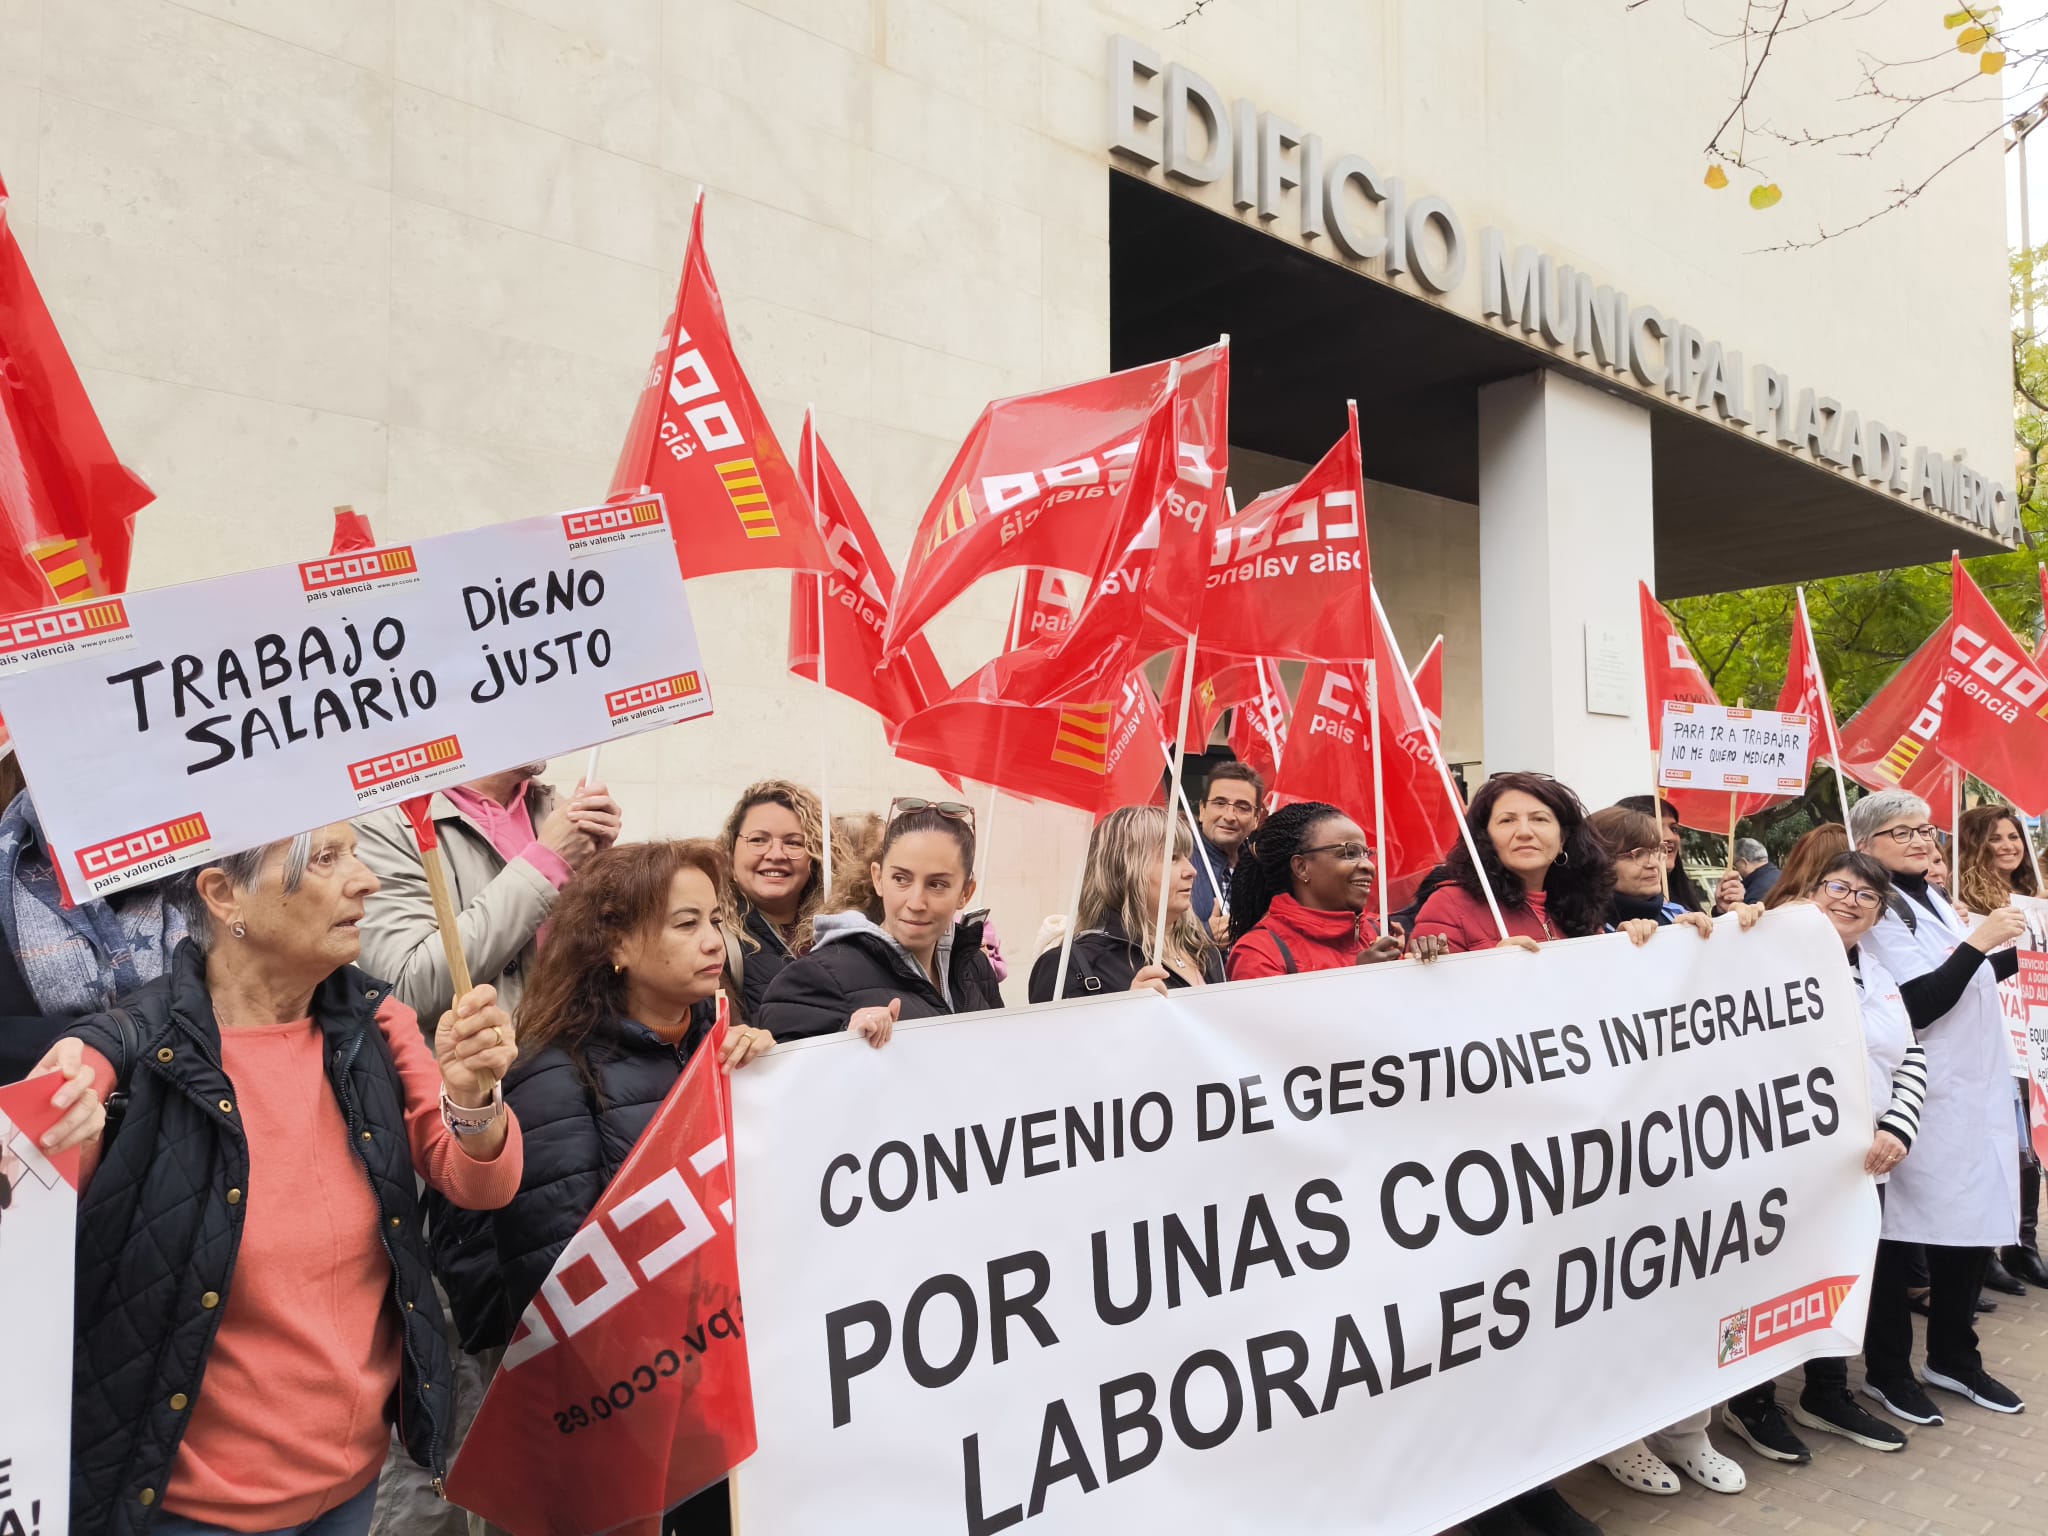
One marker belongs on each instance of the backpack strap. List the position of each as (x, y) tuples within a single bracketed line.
[(1286, 954)]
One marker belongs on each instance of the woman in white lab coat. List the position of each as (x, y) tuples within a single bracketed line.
[(1958, 1194)]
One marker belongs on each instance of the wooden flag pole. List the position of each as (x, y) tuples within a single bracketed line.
[(1379, 797), (1443, 768), (1180, 745), (446, 913)]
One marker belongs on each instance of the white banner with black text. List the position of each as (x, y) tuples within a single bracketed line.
[(1366, 1250)]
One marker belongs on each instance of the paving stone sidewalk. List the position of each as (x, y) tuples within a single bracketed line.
[(1980, 1474)]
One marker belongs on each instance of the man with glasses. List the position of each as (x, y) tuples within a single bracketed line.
[(1232, 808)]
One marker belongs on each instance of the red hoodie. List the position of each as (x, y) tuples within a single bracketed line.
[(1316, 941)]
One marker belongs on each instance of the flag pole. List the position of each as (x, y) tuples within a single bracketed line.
[(446, 914), (1180, 746), (824, 693), (1828, 715), (1443, 769), (1194, 824), (1379, 798)]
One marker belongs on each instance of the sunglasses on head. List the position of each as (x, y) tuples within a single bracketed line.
[(910, 805)]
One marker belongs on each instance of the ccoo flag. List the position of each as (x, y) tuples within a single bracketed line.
[(1429, 685), (1671, 672), (856, 595), (67, 506), (1288, 575), (1221, 682), (700, 437), (1994, 708), (1042, 480), (625, 1387), (1258, 727), (1890, 743)]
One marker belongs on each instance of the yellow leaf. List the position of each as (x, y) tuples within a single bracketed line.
[(1955, 19), (1972, 38), (1716, 177), (1765, 196), (1991, 63)]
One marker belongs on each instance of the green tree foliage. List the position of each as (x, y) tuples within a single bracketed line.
[(1866, 625)]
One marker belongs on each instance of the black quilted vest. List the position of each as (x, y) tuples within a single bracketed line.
[(160, 1225)]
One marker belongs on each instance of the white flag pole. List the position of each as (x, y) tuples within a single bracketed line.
[(1180, 745), (824, 693), (1379, 797), (590, 764), (1828, 717), (1443, 768)]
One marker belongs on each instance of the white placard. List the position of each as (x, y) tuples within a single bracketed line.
[(175, 724), (1248, 1259), (1749, 751), (1610, 685)]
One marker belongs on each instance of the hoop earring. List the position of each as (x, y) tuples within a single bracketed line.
[(239, 930), (1563, 857)]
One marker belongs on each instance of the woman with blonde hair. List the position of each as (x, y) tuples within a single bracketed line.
[(1120, 912), (774, 841)]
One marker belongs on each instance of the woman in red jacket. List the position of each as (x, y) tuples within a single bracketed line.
[(1297, 900), (1546, 870)]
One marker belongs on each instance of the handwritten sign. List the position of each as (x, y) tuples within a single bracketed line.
[(1748, 751)]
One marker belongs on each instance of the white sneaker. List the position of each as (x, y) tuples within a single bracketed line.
[(1713, 1471), (1638, 1467)]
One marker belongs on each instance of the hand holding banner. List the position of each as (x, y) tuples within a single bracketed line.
[(167, 726), (38, 1224)]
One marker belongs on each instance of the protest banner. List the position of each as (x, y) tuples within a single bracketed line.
[(1720, 747), (1260, 1258), (38, 1222), (2033, 982), (168, 726)]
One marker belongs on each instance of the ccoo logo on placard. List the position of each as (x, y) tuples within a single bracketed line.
[(151, 848), (662, 692), (1806, 1310), (358, 571), (376, 774), (623, 522)]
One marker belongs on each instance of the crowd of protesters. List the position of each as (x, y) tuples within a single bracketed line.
[(290, 1010)]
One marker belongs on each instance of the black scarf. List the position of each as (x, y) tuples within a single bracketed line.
[(1627, 908)]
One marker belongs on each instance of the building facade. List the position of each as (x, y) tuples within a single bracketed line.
[(410, 255)]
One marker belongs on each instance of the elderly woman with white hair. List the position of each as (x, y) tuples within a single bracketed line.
[(254, 1292), (1958, 1194)]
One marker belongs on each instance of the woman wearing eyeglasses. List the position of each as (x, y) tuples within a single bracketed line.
[(774, 839), (1298, 898), (1959, 1193), (1852, 891), (1119, 912), (893, 946)]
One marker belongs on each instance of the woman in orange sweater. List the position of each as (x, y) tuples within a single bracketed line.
[(254, 1293)]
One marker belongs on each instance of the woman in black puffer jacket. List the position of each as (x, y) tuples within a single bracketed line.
[(609, 1020), (891, 948)]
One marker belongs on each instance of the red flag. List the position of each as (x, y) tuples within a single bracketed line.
[(1095, 751), (351, 532), (1806, 691), (700, 437), (1994, 719), (1042, 480), (1329, 757), (1046, 605), (856, 596), (625, 1389), (1288, 575), (1671, 672), (1429, 685), (1890, 742), (1258, 727), (1221, 682), (1193, 502), (67, 506)]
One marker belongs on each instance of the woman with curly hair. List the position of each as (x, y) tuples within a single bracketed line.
[(1298, 897), (774, 841), (1546, 869)]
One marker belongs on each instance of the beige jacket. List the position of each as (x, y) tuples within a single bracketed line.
[(502, 907)]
